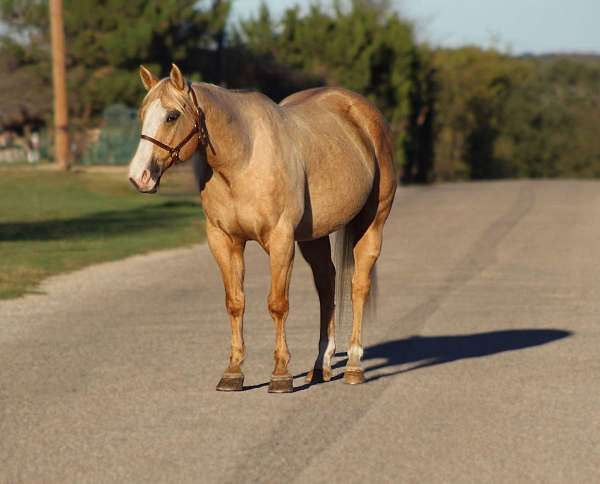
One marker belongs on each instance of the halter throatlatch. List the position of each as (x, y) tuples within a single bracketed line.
[(199, 127)]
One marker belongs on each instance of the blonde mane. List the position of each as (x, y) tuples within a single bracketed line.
[(170, 97)]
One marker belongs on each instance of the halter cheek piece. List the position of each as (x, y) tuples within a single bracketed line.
[(199, 127)]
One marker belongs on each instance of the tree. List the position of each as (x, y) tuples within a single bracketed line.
[(59, 83), (28, 111), (474, 86), (108, 39), (501, 116)]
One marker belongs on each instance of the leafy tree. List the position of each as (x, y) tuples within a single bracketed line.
[(25, 94), (474, 86), (108, 39), (501, 116), (419, 143), (571, 102), (531, 139)]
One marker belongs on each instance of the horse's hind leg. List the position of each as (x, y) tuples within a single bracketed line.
[(229, 254), (367, 248), (318, 255)]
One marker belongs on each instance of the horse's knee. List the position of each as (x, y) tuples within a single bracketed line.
[(235, 305), (278, 307)]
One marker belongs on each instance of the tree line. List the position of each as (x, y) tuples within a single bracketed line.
[(466, 113)]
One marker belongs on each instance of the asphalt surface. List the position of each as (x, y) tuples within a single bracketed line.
[(483, 365)]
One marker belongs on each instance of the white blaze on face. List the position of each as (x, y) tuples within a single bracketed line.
[(155, 116)]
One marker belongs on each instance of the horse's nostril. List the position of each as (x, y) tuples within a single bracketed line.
[(145, 176), (134, 183)]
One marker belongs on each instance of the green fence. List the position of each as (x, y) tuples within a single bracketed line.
[(118, 139)]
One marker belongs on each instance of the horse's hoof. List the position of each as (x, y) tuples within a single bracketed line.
[(281, 384), (231, 383), (318, 375), (354, 376)]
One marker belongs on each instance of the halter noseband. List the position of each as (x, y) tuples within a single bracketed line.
[(199, 127)]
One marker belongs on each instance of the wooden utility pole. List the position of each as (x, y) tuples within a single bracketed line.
[(61, 113)]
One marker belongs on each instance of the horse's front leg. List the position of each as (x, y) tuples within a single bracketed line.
[(281, 251), (229, 254)]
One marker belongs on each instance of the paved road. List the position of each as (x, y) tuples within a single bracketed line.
[(483, 366)]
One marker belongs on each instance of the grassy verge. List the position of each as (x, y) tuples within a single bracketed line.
[(52, 222)]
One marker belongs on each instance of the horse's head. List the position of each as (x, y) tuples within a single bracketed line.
[(170, 128)]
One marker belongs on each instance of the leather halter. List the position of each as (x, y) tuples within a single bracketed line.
[(199, 127)]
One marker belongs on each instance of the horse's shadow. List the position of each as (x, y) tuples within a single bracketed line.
[(427, 351)]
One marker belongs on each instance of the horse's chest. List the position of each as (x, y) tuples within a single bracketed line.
[(240, 214)]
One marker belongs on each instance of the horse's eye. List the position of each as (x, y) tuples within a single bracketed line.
[(172, 116)]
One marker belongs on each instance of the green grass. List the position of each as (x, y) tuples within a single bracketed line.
[(52, 222)]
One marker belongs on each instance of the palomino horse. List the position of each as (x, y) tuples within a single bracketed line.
[(318, 162)]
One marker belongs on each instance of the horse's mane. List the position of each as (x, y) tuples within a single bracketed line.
[(170, 96)]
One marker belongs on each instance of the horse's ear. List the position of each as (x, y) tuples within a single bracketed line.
[(177, 77), (148, 79)]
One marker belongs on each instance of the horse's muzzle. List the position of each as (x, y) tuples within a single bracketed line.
[(145, 189)]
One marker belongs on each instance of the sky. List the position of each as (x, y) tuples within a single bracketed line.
[(517, 26)]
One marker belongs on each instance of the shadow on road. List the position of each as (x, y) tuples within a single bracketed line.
[(426, 351), (114, 222)]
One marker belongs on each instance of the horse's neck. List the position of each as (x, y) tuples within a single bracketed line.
[(229, 141)]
